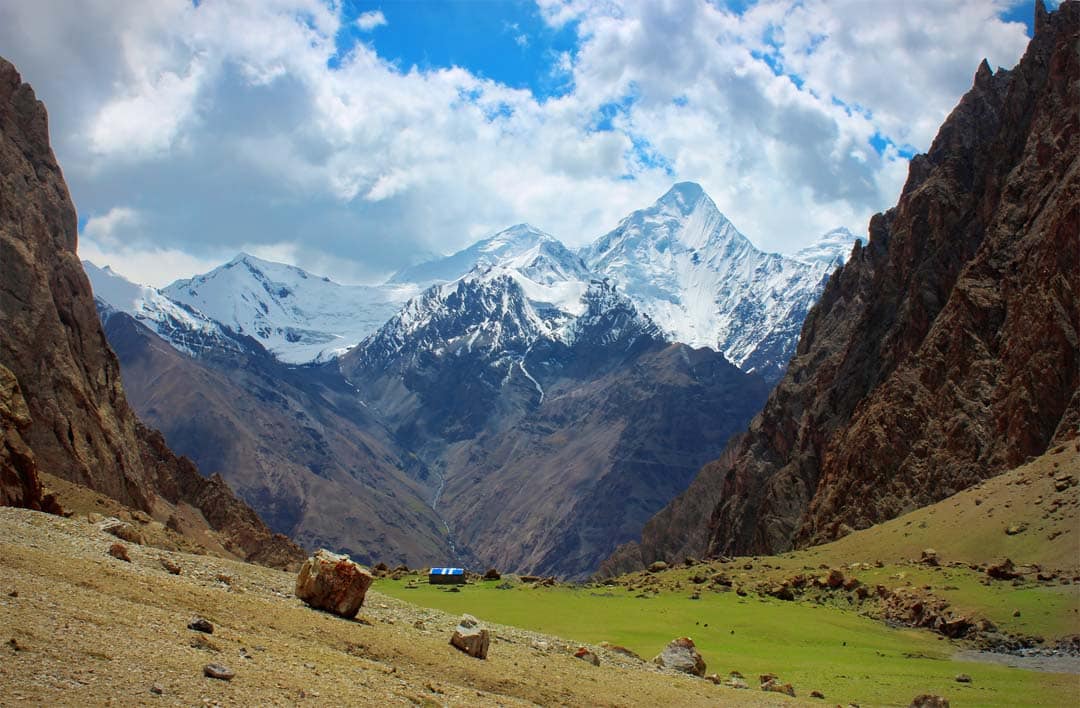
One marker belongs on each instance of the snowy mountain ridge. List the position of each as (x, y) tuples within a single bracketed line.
[(187, 329), (300, 318)]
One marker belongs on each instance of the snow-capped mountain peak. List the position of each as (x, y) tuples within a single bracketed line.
[(511, 245), (687, 267), (297, 316), (184, 327)]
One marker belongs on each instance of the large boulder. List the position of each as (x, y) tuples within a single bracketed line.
[(681, 655), (332, 582), (470, 637)]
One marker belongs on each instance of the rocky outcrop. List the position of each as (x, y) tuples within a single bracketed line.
[(80, 425), (944, 352), (332, 582)]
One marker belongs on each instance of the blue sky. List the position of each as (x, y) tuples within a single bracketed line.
[(506, 41), (352, 138)]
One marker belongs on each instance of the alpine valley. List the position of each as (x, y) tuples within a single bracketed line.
[(515, 404)]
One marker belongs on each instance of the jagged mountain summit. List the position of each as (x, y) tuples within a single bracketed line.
[(298, 317), (829, 251), (705, 284)]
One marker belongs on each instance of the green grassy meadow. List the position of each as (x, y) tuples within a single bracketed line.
[(850, 658)]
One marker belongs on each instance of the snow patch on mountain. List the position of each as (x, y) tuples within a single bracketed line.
[(299, 317)]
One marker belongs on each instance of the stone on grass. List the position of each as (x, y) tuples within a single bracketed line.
[(681, 655), (929, 700), (738, 682), (963, 678), (492, 574), (171, 567), (217, 671), (329, 581), (817, 694), (470, 637), (929, 557), (658, 567), (621, 650), (1005, 570), (120, 552), (584, 654)]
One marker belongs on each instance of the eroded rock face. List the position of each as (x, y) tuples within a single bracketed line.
[(944, 352), (80, 425), (332, 582), (19, 484)]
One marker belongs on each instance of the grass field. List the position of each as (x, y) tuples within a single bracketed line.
[(847, 657)]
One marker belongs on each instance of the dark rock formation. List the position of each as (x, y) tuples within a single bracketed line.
[(945, 352), (80, 425)]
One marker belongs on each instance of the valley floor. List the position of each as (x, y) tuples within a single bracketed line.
[(83, 628)]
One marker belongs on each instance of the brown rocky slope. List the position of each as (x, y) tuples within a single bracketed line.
[(76, 422), (943, 353)]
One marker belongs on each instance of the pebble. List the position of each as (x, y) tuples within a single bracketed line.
[(963, 678), (157, 689), (217, 671)]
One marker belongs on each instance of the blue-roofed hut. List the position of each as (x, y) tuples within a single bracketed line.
[(446, 576)]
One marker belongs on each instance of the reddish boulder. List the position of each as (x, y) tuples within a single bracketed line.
[(332, 582)]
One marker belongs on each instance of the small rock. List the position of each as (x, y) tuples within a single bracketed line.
[(681, 655), (13, 593), (928, 700), (835, 579), (715, 678), (621, 650), (929, 557), (15, 646), (492, 574), (217, 671), (171, 567), (817, 694), (1005, 570), (329, 581), (470, 638), (122, 530), (963, 678), (201, 624), (658, 566), (199, 641), (737, 682), (1014, 529), (584, 654), (775, 686), (120, 552), (157, 689)]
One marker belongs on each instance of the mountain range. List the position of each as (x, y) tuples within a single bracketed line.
[(398, 421)]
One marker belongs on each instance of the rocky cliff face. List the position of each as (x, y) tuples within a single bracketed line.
[(944, 352), (80, 426)]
